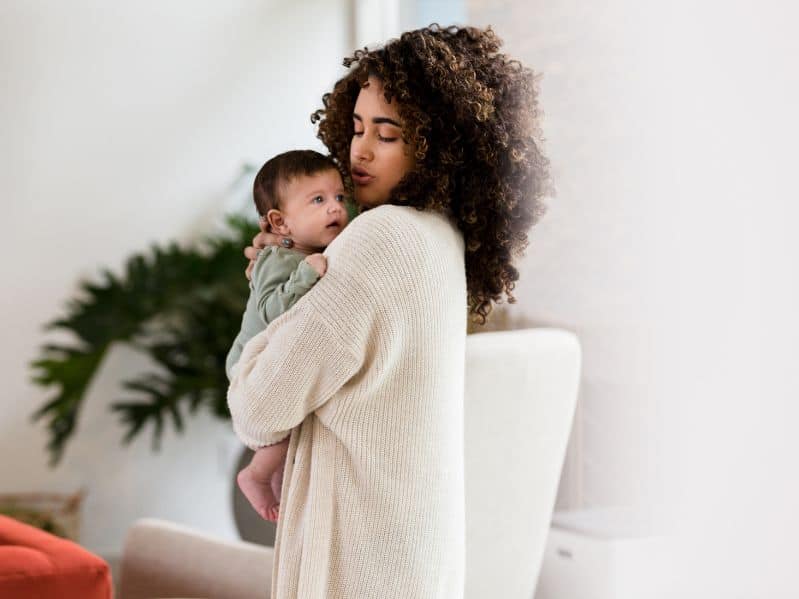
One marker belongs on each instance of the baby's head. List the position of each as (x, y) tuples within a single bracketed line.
[(300, 195)]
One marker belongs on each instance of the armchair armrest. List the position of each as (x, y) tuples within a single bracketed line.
[(163, 559)]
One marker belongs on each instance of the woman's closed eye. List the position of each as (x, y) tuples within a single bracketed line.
[(357, 133)]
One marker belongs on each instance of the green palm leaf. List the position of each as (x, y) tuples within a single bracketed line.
[(181, 306)]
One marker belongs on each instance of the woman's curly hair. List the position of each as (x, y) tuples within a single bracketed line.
[(472, 115)]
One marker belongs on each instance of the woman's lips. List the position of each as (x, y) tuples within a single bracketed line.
[(360, 176)]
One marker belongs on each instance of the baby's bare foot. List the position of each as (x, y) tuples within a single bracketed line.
[(259, 493)]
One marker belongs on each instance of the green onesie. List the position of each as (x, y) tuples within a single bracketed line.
[(279, 278)]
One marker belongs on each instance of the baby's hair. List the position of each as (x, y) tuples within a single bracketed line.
[(280, 170)]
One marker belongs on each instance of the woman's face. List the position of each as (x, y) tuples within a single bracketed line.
[(379, 157)]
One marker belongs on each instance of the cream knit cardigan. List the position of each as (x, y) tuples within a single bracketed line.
[(366, 373)]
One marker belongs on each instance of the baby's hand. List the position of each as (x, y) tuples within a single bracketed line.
[(318, 262)]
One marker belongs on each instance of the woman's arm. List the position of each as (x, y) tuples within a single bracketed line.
[(310, 352), (285, 373)]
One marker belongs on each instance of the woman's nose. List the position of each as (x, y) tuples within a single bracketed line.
[(361, 150)]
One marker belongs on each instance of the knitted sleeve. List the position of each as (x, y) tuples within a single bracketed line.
[(284, 373)]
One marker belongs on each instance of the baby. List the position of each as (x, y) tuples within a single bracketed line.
[(300, 196)]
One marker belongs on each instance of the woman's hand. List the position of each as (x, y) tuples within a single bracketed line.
[(260, 241)]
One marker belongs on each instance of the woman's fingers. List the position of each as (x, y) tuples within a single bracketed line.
[(251, 253), (248, 270), (258, 241)]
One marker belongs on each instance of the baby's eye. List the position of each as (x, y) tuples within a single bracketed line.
[(341, 197), (318, 200)]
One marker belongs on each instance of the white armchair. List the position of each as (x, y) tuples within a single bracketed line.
[(521, 391)]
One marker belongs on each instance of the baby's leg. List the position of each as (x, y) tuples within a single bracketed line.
[(256, 480)]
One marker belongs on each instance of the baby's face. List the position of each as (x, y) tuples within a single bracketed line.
[(314, 209)]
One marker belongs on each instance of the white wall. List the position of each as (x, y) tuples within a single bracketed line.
[(124, 124), (589, 264), (671, 250)]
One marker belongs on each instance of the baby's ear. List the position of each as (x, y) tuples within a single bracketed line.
[(274, 218)]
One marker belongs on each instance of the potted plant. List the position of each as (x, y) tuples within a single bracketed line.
[(180, 305)]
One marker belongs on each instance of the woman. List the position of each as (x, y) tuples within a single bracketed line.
[(365, 373)]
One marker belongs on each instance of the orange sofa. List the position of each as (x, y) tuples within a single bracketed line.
[(34, 563)]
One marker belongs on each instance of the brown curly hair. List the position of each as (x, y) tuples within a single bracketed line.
[(472, 115)]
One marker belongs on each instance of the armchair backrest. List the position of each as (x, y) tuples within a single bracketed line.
[(520, 392)]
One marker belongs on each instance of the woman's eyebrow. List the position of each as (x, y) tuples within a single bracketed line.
[(378, 120)]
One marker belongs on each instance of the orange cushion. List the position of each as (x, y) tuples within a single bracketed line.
[(36, 564)]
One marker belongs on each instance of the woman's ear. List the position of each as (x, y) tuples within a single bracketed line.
[(277, 222)]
